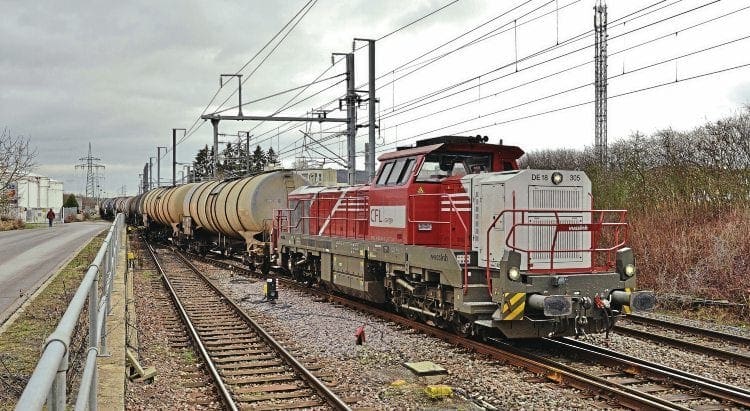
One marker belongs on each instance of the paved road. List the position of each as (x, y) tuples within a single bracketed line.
[(28, 257)]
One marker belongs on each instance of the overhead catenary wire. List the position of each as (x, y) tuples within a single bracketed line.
[(281, 93), (634, 30), (411, 23), (569, 69), (198, 123), (249, 75), (573, 38), (568, 41), (289, 103), (571, 106)]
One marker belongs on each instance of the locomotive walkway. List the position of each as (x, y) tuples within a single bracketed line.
[(30, 257)]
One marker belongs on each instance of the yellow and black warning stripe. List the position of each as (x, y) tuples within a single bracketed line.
[(626, 308), (513, 306)]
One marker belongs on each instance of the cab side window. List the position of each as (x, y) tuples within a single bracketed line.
[(384, 173), (396, 172)]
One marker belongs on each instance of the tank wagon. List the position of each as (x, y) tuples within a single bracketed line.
[(109, 207), (234, 217), (449, 231), (453, 233)]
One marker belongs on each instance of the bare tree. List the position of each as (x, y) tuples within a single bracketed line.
[(16, 160)]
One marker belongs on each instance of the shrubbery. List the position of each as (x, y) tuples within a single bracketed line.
[(7, 224)]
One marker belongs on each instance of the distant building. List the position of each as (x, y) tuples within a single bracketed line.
[(35, 194), (330, 176), (319, 176)]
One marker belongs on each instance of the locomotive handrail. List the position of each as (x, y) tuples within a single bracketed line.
[(454, 210), (359, 215), (595, 227)]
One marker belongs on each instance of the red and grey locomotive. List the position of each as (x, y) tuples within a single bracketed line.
[(452, 232)]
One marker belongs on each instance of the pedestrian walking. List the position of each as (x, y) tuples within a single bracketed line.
[(50, 216)]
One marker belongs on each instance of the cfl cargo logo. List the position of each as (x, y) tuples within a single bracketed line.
[(388, 216)]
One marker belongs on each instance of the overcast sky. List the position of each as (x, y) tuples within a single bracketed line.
[(121, 75)]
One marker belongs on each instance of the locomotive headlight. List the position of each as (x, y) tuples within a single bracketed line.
[(514, 274), (557, 178), (625, 262)]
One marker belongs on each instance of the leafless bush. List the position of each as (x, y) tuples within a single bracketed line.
[(16, 160)]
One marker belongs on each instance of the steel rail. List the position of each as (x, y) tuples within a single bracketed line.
[(737, 357), (712, 388), (738, 339), (226, 397), (326, 393), (314, 382)]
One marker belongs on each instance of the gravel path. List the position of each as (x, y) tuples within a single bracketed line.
[(374, 372)]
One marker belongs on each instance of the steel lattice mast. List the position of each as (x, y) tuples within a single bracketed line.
[(600, 82), (92, 167)]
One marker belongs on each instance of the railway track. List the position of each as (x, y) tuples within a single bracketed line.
[(671, 387), (626, 380), (716, 344), (249, 367)]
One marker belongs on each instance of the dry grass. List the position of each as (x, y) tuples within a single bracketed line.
[(22, 342), (8, 224), (704, 253)]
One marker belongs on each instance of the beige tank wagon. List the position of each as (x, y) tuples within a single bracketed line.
[(241, 208)]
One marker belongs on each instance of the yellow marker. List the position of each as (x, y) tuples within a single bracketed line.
[(514, 306), (626, 308)]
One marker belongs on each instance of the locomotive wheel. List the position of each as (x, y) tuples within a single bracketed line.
[(463, 326)]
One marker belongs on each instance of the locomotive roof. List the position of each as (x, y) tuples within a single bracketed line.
[(430, 145)]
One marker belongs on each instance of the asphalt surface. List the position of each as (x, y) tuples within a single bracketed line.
[(28, 257)]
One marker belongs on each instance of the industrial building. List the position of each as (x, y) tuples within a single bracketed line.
[(35, 194)]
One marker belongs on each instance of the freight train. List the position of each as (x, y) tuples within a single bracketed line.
[(450, 231)]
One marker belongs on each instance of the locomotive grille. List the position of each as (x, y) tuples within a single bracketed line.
[(541, 238)]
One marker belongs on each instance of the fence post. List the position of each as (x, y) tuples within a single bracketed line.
[(108, 278), (93, 390), (57, 396)]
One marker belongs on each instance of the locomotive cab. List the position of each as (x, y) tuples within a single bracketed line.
[(417, 197)]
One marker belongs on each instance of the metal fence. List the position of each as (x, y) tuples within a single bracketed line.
[(48, 382)]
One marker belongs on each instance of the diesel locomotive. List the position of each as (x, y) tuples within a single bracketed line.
[(449, 231)]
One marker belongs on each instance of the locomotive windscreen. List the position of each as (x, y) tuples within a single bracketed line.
[(438, 166)]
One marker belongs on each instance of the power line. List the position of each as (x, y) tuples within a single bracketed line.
[(192, 129), (271, 52), (420, 19), (574, 38), (571, 106), (614, 77), (280, 93)]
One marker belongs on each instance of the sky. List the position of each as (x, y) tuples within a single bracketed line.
[(121, 75)]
